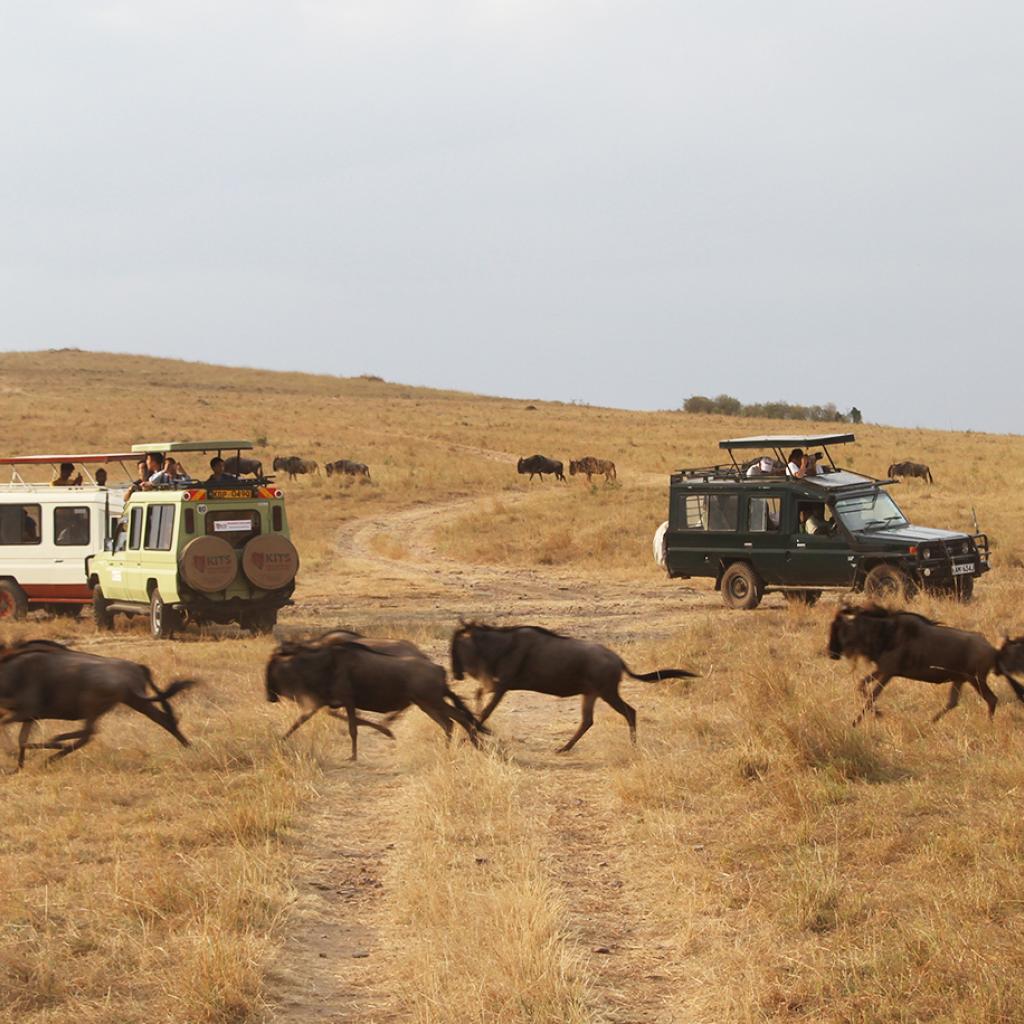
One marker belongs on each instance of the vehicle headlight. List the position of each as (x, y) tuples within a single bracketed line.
[(926, 553), (964, 548)]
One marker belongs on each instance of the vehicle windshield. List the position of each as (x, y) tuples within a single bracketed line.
[(873, 511)]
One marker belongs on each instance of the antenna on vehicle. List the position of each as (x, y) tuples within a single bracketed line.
[(974, 516)]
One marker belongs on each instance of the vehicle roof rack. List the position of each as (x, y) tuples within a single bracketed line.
[(43, 460), (191, 446)]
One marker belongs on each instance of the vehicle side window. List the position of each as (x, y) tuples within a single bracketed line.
[(710, 512), (20, 524), (159, 527), (71, 526), (136, 529), (764, 514), (120, 533)]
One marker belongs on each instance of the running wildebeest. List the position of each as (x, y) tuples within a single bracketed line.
[(589, 466), (293, 465), (41, 680), (239, 465), (911, 469), (351, 675), (344, 466), (507, 658), (538, 465), (909, 645)]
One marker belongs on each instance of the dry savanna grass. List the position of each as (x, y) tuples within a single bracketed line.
[(753, 859)]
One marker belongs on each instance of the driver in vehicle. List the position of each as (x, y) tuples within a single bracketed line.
[(812, 520)]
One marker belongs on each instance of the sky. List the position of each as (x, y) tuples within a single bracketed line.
[(615, 203)]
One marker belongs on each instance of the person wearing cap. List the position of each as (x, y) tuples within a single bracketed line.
[(65, 479), (763, 467)]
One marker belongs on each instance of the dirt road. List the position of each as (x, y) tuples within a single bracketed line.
[(333, 965)]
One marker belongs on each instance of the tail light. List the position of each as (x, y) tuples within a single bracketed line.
[(197, 495)]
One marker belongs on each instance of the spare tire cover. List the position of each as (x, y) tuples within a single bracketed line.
[(208, 564), (659, 543), (270, 561)]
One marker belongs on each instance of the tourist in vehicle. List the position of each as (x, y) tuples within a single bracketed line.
[(101, 477), (137, 484), (65, 478), (763, 467), (812, 520), (801, 464), (217, 474), (170, 475), (154, 466)]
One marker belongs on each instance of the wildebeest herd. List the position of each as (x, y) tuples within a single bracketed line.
[(347, 673), (588, 466)]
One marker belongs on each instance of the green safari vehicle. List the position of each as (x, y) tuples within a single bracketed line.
[(754, 527), (191, 551)]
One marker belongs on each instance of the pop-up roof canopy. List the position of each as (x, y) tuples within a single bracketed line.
[(42, 460), (787, 441), (192, 446)]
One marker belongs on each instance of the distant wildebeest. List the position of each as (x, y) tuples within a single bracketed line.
[(351, 675), (538, 465), (41, 680), (909, 645), (589, 466), (293, 465), (348, 468), (504, 658), (908, 469), (239, 465)]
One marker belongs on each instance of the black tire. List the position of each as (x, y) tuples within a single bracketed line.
[(804, 597), (887, 583), (13, 602), (163, 621), (104, 620), (963, 588), (742, 587)]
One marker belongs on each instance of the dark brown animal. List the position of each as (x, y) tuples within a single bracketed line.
[(911, 469), (351, 675), (538, 465), (239, 465), (294, 466), (909, 645), (507, 658), (344, 467), (589, 466), (42, 680)]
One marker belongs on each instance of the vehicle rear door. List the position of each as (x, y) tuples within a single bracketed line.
[(765, 538)]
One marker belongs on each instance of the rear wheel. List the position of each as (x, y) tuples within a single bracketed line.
[(260, 622), (163, 621), (13, 602), (887, 583), (804, 597), (741, 586), (103, 618)]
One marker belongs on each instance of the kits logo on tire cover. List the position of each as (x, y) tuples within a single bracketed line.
[(270, 561)]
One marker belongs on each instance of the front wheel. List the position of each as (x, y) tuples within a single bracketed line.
[(741, 587), (887, 583), (163, 621), (964, 588), (13, 602)]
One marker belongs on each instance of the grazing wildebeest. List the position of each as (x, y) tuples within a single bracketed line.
[(507, 658), (42, 680), (344, 466), (538, 465), (293, 465), (590, 466), (907, 469), (909, 645), (351, 675), (239, 465)]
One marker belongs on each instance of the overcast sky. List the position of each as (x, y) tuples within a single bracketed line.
[(618, 203)]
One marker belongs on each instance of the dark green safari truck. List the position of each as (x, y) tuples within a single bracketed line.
[(754, 528)]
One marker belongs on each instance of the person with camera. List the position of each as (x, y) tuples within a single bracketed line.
[(802, 464)]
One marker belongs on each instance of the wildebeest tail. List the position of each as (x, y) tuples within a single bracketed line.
[(659, 674), (463, 715), (163, 696)]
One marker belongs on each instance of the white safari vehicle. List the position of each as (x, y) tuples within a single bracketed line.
[(47, 532)]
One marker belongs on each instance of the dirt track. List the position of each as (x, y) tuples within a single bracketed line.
[(333, 968)]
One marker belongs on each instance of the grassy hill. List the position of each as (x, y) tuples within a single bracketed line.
[(753, 859)]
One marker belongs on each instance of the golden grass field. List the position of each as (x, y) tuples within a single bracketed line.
[(754, 858)]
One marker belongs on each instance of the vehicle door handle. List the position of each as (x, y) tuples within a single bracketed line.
[(801, 544), (748, 543)]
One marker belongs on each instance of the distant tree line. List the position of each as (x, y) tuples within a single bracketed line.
[(726, 405)]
